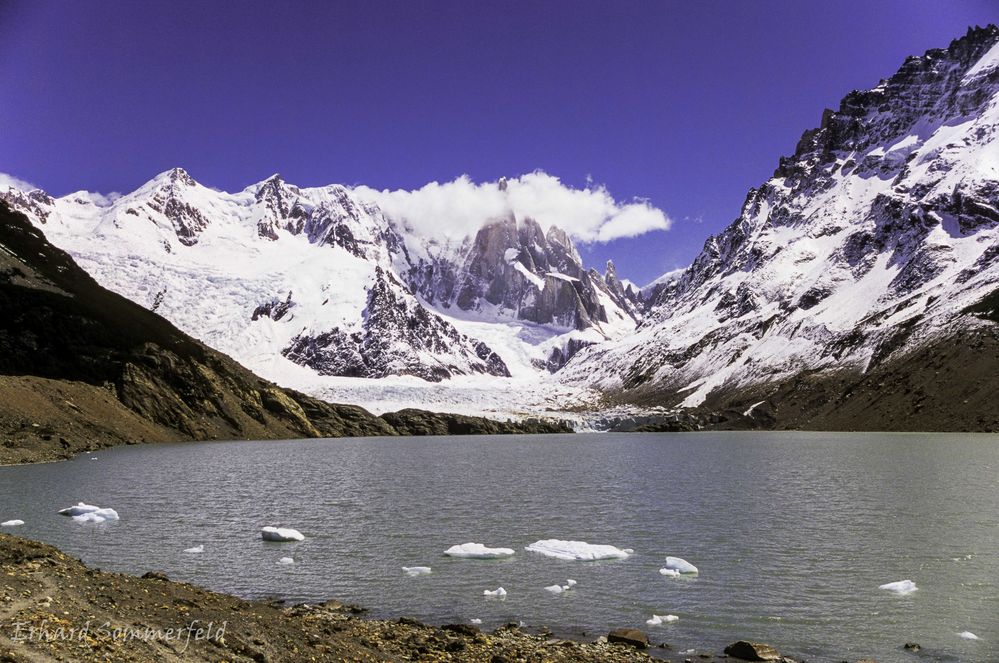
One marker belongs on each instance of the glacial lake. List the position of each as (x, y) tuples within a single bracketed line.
[(792, 532)]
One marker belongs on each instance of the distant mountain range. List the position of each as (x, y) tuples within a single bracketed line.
[(857, 289)]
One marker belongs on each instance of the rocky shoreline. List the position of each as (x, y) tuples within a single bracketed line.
[(53, 607)]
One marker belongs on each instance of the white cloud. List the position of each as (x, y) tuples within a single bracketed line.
[(456, 208), (8, 181)]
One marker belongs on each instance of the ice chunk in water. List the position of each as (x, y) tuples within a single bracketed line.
[(679, 565), (475, 621), (576, 550), (558, 589), (78, 510), (658, 620), (416, 570), (281, 534), (670, 573), (902, 587), (196, 549), (11, 523), (968, 635), (477, 551), (96, 516), (286, 560), (499, 591)]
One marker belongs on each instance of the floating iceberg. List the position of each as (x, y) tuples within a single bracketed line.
[(475, 621), (413, 571), (558, 589), (669, 573), (78, 510), (11, 523), (968, 635), (658, 620), (286, 560), (499, 591), (196, 549), (576, 550), (477, 551), (92, 514), (680, 565), (281, 534), (902, 587)]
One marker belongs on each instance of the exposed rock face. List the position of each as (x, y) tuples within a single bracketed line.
[(396, 335), (871, 240), (37, 202), (169, 200), (536, 276), (282, 208)]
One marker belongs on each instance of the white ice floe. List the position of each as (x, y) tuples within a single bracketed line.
[(78, 510), (196, 549), (658, 620), (669, 573), (99, 516), (679, 565), (477, 551), (281, 534), (558, 589), (11, 523), (416, 570), (286, 560), (475, 621), (968, 635), (576, 550), (499, 591), (901, 587)]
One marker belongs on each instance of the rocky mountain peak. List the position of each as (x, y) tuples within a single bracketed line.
[(176, 176), (282, 208)]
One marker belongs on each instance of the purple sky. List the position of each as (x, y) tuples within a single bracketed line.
[(686, 104)]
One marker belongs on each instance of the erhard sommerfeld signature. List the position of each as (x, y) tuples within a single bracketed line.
[(184, 635)]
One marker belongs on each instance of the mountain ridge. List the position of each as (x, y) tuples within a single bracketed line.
[(873, 241), (83, 368), (868, 245)]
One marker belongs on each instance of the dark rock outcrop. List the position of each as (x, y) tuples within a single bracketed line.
[(421, 422), (752, 651), (629, 636)]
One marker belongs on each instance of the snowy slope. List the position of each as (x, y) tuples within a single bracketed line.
[(873, 238), (319, 290)]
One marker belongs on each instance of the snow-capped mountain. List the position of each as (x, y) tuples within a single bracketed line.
[(879, 235), (877, 240), (302, 283)]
